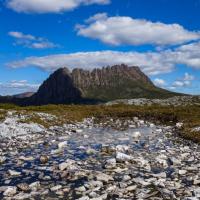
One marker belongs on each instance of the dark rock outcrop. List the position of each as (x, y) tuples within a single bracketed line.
[(57, 89)]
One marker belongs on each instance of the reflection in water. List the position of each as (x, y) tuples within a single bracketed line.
[(77, 148)]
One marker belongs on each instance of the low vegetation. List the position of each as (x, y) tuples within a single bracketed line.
[(170, 115), (2, 114)]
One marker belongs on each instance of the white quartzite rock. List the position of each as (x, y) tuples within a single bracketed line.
[(121, 157), (10, 191), (14, 173), (62, 144), (104, 177)]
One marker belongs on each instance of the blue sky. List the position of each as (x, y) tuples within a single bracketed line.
[(162, 37)]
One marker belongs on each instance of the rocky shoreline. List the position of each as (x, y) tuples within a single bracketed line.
[(129, 159)]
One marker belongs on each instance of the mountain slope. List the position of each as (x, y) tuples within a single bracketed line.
[(57, 89)]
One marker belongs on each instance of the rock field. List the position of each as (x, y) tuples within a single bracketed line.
[(134, 160), (174, 101)]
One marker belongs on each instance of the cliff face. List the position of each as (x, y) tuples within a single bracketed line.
[(108, 76), (108, 83)]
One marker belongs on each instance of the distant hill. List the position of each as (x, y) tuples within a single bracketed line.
[(21, 99), (24, 95), (98, 85)]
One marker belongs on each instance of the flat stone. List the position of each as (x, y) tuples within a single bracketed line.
[(90, 151), (2, 159), (14, 173), (136, 135), (131, 188), (121, 157), (182, 172), (23, 187), (126, 178), (197, 192), (160, 175), (81, 189), (55, 188), (122, 148), (22, 196), (63, 166), (35, 185), (96, 184), (104, 177), (84, 198), (196, 182), (30, 158), (10, 191), (62, 145), (111, 163), (44, 159)]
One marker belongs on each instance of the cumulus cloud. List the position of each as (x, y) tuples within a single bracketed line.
[(180, 83), (150, 63), (97, 17), (188, 77), (189, 55), (121, 30), (184, 81), (186, 55), (22, 84), (31, 41), (15, 87), (50, 6), (159, 82), (20, 35)]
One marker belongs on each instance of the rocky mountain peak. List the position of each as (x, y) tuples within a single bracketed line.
[(57, 89), (62, 72), (100, 84), (108, 76)]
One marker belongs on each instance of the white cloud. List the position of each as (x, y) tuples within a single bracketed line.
[(159, 82), (129, 31), (23, 84), (178, 84), (172, 88), (50, 6), (150, 63), (43, 45), (188, 77), (15, 87), (31, 41), (97, 17), (189, 55), (186, 55), (185, 81), (20, 35)]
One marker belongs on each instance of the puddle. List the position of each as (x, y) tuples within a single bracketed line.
[(76, 149)]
